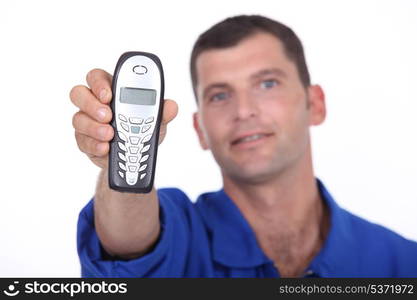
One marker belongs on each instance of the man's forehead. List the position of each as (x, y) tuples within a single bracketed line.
[(257, 52)]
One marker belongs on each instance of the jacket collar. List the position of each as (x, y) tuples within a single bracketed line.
[(338, 255), (234, 243)]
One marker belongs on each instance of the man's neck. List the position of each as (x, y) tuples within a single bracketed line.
[(287, 215)]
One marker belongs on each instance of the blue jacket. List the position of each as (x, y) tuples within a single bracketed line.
[(211, 238)]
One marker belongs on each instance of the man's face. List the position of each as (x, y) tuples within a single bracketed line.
[(253, 113)]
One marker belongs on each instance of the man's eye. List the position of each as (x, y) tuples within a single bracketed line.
[(267, 84), (219, 97)]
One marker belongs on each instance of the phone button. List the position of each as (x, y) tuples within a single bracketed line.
[(122, 117), (135, 129), (122, 166), (134, 140), (145, 128), (122, 136), (140, 70), (121, 146), (121, 174), (121, 156), (136, 120), (133, 159), (131, 178), (146, 138), (142, 175), (149, 120), (144, 158), (132, 168), (146, 148), (124, 126), (134, 150), (143, 167)]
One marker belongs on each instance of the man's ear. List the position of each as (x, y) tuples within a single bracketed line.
[(317, 104), (197, 127)]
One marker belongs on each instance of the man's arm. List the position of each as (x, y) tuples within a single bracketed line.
[(127, 224)]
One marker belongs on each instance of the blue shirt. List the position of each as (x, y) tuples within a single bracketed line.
[(211, 238)]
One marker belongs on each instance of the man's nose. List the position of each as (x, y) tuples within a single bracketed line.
[(245, 107)]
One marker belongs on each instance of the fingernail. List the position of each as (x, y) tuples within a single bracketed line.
[(103, 94), (101, 113)]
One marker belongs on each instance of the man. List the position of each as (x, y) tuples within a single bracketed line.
[(273, 217)]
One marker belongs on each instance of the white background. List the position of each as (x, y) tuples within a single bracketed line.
[(363, 53)]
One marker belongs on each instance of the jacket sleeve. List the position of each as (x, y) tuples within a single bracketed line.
[(168, 258)]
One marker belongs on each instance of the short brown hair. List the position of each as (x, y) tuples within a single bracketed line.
[(231, 31)]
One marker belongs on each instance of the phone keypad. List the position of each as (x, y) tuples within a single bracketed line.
[(133, 154)]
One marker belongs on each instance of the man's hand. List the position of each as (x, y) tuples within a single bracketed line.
[(126, 224), (91, 123)]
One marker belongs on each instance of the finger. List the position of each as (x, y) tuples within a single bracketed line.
[(83, 98), (100, 83), (170, 111), (83, 124), (91, 146)]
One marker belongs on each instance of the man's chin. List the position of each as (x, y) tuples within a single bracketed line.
[(251, 175)]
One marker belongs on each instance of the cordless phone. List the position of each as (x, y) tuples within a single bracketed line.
[(137, 103)]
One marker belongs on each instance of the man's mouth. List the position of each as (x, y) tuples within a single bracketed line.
[(250, 138)]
